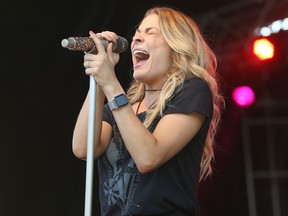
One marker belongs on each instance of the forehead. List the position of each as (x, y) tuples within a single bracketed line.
[(151, 20)]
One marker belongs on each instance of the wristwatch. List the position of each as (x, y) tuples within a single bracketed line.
[(118, 101)]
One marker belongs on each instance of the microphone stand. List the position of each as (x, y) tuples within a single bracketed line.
[(90, 148)]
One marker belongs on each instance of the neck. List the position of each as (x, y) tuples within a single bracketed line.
[(150, 98), (148, 101)]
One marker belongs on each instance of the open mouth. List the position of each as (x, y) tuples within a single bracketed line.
[(141, 55)]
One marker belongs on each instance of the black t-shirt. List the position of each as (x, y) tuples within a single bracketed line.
[(172, 188)]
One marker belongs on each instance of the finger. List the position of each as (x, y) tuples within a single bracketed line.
[(89, 71), (109, 47), (89, 64), (108, 35), (89, 57), (97, 42), (86, 64), (110, 50)]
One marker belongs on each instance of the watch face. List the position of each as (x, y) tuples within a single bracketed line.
[(121, 100), (118, 101)]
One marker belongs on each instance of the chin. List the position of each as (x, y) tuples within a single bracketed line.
[(137, 73), (139, 77), (136, 76)]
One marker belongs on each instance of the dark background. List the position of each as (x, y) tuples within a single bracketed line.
[(42, 87)]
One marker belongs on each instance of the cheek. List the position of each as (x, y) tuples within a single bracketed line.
[(164, 52), (163, 61)]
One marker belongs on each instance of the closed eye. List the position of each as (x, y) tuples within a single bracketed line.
[(149, 31)]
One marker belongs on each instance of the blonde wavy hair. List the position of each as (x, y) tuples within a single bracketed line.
[(192, 57)]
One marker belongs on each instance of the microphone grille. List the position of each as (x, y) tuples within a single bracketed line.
[(121, 45)]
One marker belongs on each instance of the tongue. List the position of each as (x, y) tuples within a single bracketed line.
[(142, 56)]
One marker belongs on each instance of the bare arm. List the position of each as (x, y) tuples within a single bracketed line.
[(79, 142)]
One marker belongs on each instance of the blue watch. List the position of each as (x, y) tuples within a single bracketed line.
[(118, 101)]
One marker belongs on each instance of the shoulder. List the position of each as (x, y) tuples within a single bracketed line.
[(196, 85), (193, 96), (191, 89)]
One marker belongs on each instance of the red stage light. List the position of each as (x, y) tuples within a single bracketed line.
[(263, 49)]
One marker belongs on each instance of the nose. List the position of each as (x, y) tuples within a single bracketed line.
[(137, 37)]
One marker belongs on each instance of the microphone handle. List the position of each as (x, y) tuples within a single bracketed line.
[(79, 43)]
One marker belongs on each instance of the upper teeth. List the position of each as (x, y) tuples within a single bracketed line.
[(140, 51)]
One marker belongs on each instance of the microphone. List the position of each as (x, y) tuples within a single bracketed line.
[(87, 44)]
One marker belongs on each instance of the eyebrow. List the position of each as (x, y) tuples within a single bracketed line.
[(147, 29)]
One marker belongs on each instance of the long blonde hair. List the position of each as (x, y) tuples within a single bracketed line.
[(191, 57)]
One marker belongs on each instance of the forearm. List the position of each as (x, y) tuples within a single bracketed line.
[(139, 141), (137, 138), (151, 150), (80, 134)]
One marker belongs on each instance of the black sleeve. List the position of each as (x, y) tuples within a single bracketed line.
[(107, 115), (194, 96)]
